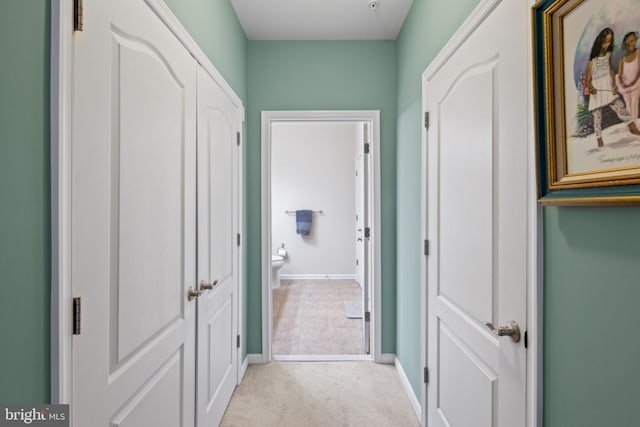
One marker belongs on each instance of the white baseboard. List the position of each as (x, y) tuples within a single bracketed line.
[(317, 277), (321, 357), (387, 358), (254, 359), (415, 403)]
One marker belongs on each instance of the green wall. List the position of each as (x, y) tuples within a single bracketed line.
[(591, 298), (24, 211), (323, 75), (428, 27)]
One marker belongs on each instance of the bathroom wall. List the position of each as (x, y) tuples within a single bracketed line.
[(313, 167)]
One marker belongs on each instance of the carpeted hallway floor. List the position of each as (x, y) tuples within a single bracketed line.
[(320, 394)]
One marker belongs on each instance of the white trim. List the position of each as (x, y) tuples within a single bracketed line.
[(61, 83), (267, 118), (387, 358), (160, 8), (321, 357), (240, 262), (413, 400), (243, 369), (534, 226), (477, 16), (255, 359), (317, 277), (61, 116), (535, 275)]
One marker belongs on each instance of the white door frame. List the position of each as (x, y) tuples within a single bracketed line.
[(534, 226), (62, 36), (371, 116)]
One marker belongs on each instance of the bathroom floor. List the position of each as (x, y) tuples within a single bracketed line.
[(309, 318)]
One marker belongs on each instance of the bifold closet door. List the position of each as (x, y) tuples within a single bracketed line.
[(133, 219), (218, 198)]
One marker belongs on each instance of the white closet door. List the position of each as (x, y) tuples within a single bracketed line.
[(218, 157), (133, 220)]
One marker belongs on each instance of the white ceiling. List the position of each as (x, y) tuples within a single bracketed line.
[(321, 19)]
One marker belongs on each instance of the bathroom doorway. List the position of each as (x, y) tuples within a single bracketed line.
[(320, 290)]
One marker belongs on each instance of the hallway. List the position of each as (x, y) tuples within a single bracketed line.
[(320, 394)]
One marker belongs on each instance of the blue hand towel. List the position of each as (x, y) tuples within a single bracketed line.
[(303, 221)]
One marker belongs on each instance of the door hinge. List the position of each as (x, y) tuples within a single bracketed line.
[(366, 148), (238, 239), (76, 315), (426, 119), (78, 15), (426, 247), (367, 232), (367, 316), (426, 375), (238, 138), (238, 341)]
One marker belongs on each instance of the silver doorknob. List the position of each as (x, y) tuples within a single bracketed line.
[(207, 286), (193, 293), (512, 330)]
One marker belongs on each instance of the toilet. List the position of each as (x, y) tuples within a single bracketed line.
[(277, 261)]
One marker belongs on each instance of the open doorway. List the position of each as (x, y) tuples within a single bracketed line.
[(320, 289)]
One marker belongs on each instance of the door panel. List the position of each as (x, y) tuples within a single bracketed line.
[(147, 179), (468, 156), (220, 362), (133, 219), (472, 405), (218, 190), (477, 210), (156, 404)]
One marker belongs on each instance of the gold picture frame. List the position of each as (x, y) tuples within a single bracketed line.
[(587, 128)]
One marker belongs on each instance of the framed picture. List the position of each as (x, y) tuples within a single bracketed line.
[(587, 90)]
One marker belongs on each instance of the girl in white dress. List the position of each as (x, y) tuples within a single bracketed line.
[(628, 77), (603, 90)]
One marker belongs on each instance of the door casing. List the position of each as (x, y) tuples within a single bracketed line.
[(372, 117)]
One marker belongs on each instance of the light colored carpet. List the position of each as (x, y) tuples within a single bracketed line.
[(320, 394), (308, 318)]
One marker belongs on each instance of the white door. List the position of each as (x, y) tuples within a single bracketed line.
[(364, 209), (218, 156), (361, 246), (477, 225), (133, 220), (359, 224)]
